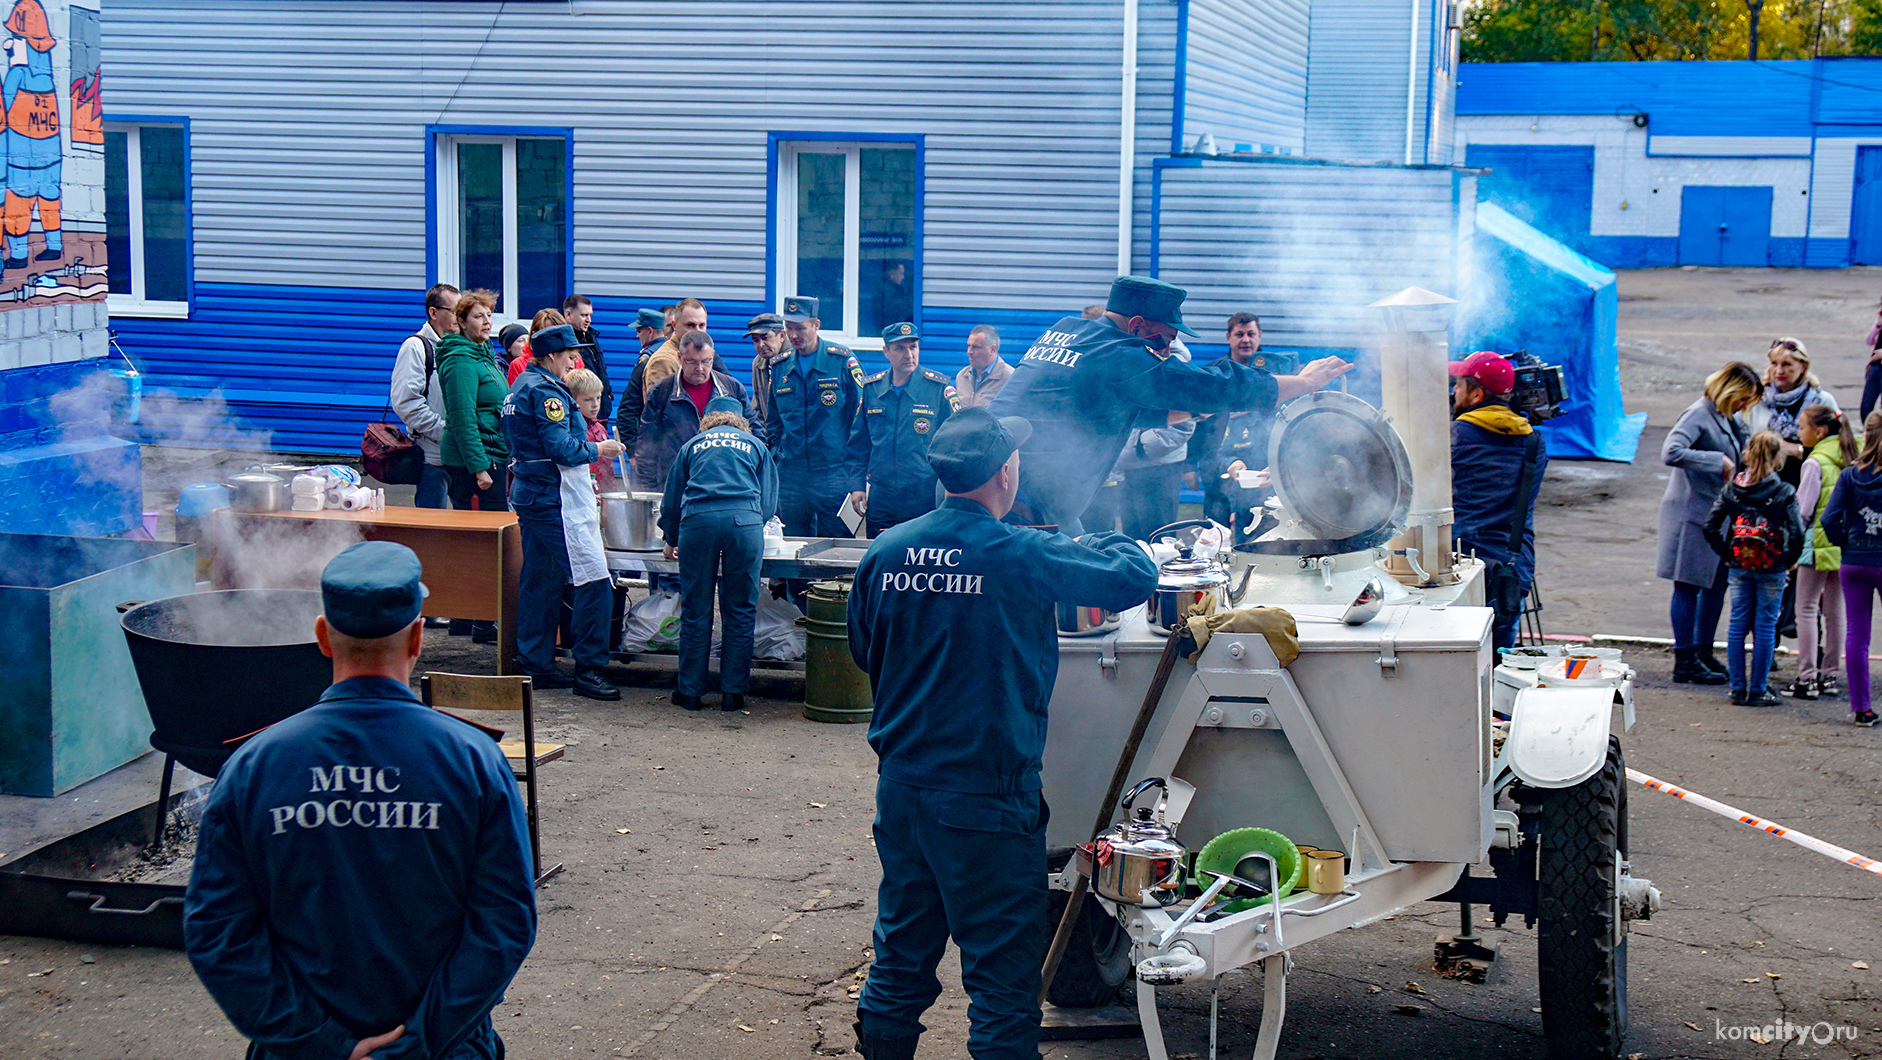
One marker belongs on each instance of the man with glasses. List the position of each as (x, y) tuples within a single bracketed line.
[(1085, 383), (416, 395)]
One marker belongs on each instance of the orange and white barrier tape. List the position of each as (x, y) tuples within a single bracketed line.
[(1808, 842)]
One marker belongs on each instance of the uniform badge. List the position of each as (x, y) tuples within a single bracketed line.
[(921, 425), (1260, 361), (790, 306), (828, 397), (552, 408), (906, 329)]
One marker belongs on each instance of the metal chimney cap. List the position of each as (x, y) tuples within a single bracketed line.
[(1412, 297)]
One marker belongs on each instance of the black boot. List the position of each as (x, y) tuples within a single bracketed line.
[(1703, 655), (1688, 670), (874, 1048), (732, 701)]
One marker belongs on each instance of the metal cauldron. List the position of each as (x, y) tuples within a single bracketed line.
[(258, 491), (215, 666), (630, 522)]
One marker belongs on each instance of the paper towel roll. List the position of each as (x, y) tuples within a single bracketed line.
[(305, 503), (308, 486), (336, 496), (358, 498)]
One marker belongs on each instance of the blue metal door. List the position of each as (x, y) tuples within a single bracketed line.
[(1724, 225), (1551, 188), (1865, 211)]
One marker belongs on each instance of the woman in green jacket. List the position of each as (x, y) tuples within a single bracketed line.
[(474, 452), (1829, 446)]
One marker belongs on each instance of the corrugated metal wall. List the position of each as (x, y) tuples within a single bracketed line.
[(1357, 79), (1246, 75), (1306, 246), (309, 158)]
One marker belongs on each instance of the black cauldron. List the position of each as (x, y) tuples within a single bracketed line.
[(215, 666)]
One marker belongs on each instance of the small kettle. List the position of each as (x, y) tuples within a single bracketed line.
[(1138, 861)]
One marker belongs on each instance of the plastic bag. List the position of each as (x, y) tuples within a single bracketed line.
[(776, 635), (653, 624)]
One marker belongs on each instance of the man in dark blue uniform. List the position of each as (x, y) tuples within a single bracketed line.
[(362, 881), (1085, 383), (1491, 444), (816, 391), (553, 495), (889, 478), (650, 331), (722, 490), (952, 619)]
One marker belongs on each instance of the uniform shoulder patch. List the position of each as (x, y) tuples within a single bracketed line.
[(953, 396), (878, 377), (856, 370), (931, 374), (553, 408)]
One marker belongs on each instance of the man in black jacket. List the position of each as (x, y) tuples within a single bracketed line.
[(580, 313)]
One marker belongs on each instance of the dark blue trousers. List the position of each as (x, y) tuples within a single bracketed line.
[(887, 509), (971, 867), (725, 547), (539, 600), (810, 502)]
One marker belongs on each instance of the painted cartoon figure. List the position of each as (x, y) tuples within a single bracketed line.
[(29, 95)]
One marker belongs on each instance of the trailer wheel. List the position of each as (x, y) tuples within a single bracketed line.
[(1581, 945), (1097, 958)]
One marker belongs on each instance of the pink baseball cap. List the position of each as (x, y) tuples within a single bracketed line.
[(1489, 369)]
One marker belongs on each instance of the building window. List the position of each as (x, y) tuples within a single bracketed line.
[(147, 218), (502, 219), (848, 233)]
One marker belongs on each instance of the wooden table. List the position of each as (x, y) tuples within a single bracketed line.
[(473, 560)]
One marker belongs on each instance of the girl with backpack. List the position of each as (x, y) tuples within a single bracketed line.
[(1829, 446), (1756, 529), (1853, 521)]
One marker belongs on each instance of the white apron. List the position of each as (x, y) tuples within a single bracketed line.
[(581, 526)]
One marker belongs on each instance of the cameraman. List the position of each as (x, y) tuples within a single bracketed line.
[(1497, 461)]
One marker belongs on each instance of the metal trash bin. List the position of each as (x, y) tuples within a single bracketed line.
[(835, 689)]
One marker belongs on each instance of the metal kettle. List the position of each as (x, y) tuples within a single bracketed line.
[(1183, 583), (1138, 861)]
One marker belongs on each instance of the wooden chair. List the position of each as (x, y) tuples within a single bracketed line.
[(452, 692)]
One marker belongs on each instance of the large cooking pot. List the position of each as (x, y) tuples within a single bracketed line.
[(630, 522), (258, 491), (215, 666)]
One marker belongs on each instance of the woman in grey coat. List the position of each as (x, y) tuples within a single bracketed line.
[(1704, 448)]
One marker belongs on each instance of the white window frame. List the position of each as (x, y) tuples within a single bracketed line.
[(135, 304), (788, 153), (451, 214)]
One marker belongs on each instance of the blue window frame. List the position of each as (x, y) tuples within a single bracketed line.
[(149, 248), (845, 212), (500, 209)]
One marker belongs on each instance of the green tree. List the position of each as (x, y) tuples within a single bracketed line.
[(1644, 30)]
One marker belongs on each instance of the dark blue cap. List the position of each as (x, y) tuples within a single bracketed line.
[(1152, 299), (510, 333), (798, 309), (763, 324), (899, 332), (650, 318), (725, 404), (555, 340), (372, 590), (971, 446)]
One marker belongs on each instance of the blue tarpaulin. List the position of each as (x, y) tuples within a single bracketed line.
[(1532, 293)]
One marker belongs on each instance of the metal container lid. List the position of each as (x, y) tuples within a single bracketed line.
[(1190, 572), (1340, 467)]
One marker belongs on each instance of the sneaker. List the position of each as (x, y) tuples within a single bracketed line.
[(1865, 719), (1739, 698), (1802, 690), (1766, 698), (1828, 688), (590, 684)]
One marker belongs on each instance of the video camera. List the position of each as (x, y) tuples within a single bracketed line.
[(1539, 388)]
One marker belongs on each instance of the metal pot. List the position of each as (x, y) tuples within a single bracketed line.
[(1139, 862), (1085, 621), (630, 522), (257, 491), (1184, 583)]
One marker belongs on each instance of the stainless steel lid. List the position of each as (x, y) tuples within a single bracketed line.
[(1191, 572), (1339, 467)]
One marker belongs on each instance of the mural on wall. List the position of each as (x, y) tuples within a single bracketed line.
[(52, 220)]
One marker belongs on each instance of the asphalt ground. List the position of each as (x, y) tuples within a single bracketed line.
[(720, 881)]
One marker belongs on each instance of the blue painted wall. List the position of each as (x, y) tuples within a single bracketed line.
[(61, 469)]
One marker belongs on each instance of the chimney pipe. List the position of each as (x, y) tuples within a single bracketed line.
[(1415, 391)]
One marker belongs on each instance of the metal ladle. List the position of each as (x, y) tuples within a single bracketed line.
[(1364, 608)]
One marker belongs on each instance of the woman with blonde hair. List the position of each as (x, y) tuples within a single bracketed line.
[(1790, 387), (1703, 448)]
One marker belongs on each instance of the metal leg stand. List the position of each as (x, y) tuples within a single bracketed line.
[(1466, 956), (163, 800), (1215, 1011), (1147, 1016), (1273, 1004)]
